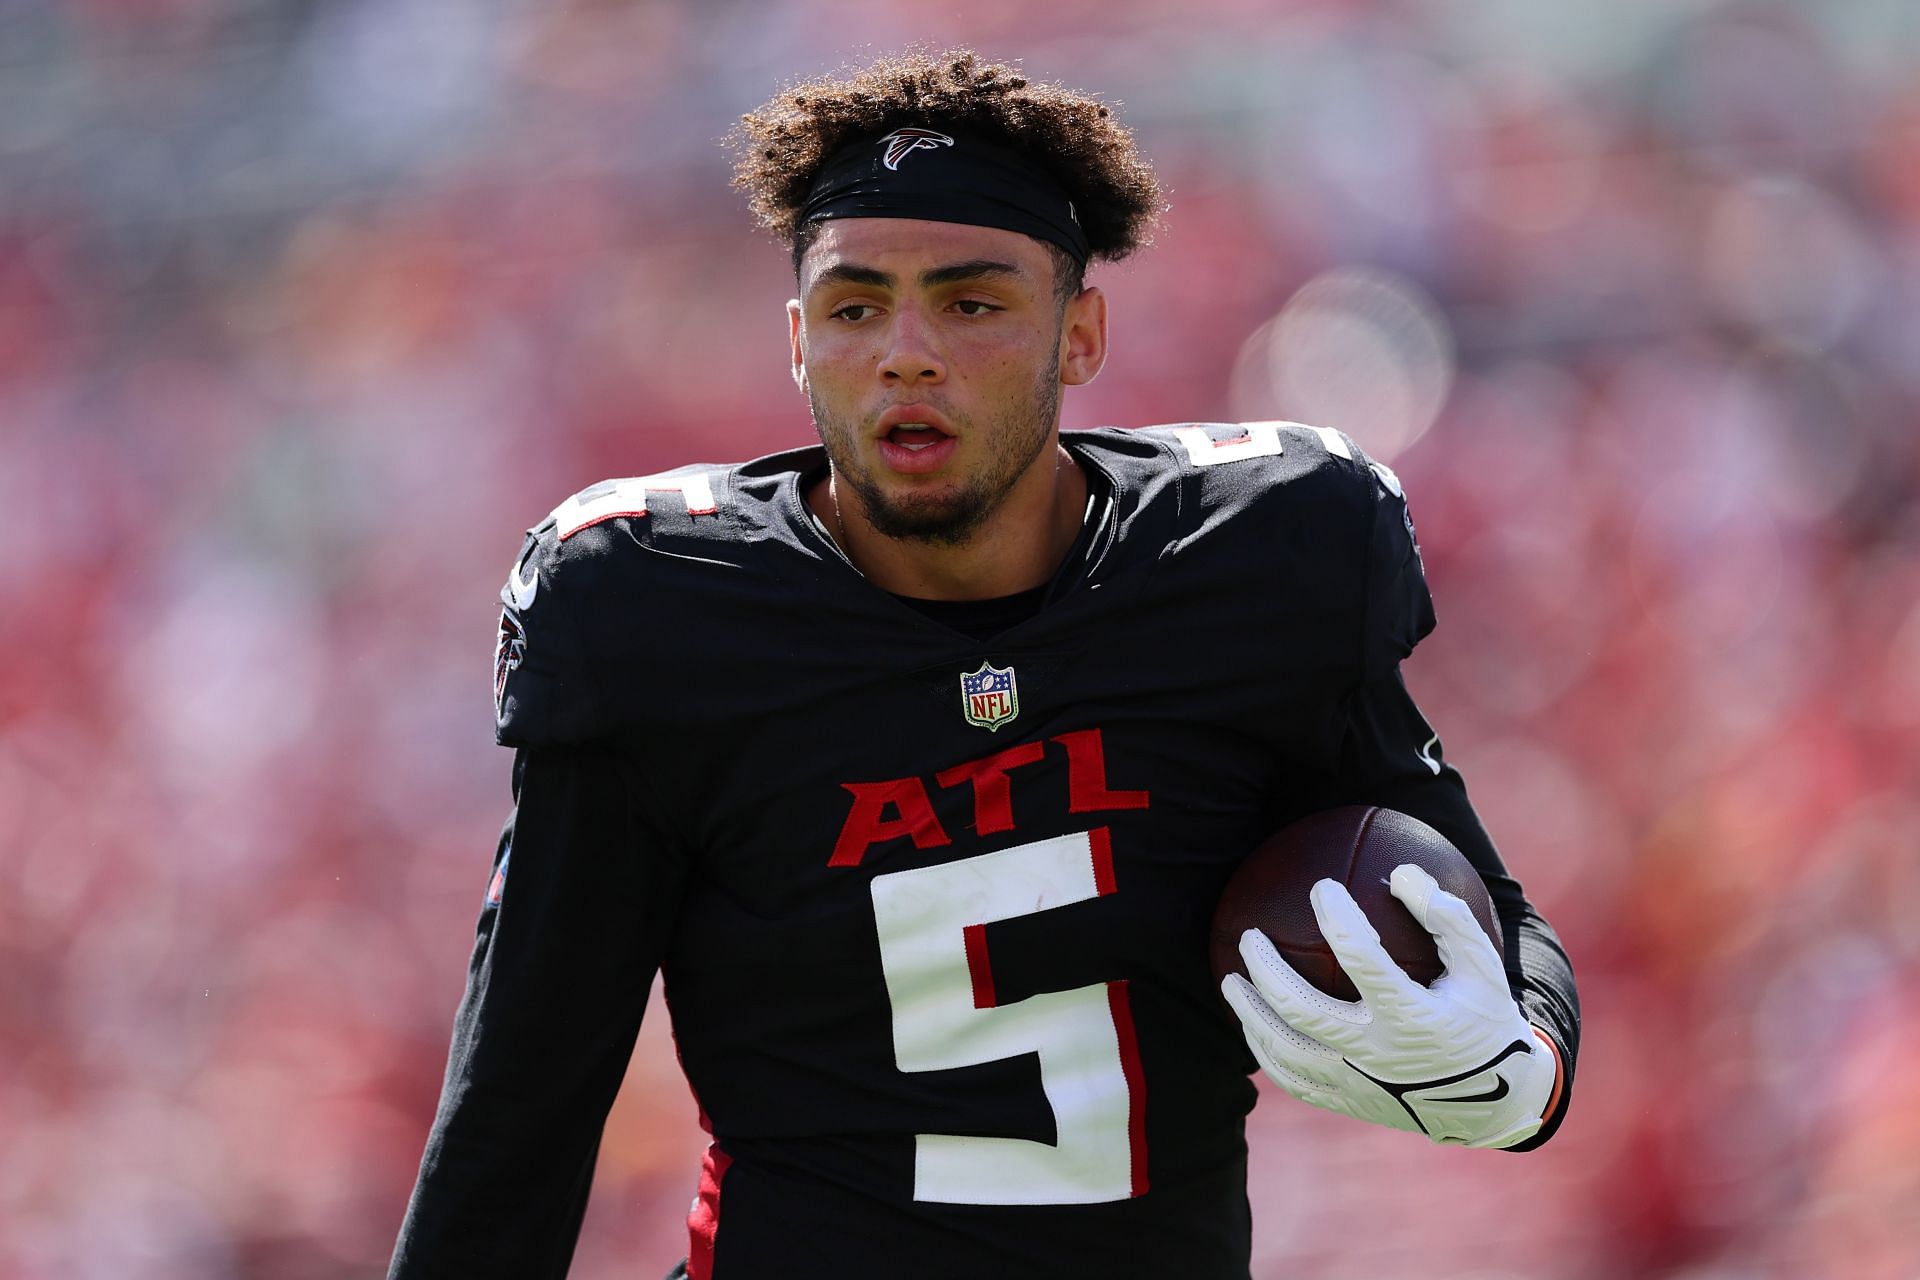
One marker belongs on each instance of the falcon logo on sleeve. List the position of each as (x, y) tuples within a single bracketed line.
[(508, 653), (903, 142), (510, 647)]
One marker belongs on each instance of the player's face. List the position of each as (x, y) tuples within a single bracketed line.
[(933, 354)]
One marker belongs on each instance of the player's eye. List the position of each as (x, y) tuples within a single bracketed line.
[(983, 308), (846, 312)]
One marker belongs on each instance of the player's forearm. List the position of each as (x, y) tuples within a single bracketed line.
[(504, 1179), (1542, 979), (563, 960), (1538, 971), (504, 1204)]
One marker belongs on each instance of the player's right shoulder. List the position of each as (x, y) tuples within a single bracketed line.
[(619, 593), (576, 602), (591, 549)]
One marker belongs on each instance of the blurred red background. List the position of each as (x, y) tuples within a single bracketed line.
[(306, 311)]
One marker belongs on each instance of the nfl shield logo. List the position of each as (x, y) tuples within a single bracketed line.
[(989, 696)]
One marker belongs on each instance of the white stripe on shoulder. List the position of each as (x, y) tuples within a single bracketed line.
[(1335, 443)]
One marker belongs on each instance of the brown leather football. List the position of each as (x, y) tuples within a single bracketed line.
[(1358, 846)]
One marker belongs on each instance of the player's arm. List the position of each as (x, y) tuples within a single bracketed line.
[(1397, 757), (568, 943), (586, 889), (1487, 1003)]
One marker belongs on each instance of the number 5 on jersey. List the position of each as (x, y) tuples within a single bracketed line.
[(932, 928)]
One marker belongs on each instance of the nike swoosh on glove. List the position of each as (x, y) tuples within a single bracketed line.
[(1457, 1061)]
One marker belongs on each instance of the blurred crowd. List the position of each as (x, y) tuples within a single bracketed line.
[(307, 310)]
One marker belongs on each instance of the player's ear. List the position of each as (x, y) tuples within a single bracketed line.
[(793, 341), (1083, 337)]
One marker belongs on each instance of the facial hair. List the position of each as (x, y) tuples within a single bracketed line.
[(1017, 437)]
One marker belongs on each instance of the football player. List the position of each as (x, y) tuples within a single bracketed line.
[(916, 761)]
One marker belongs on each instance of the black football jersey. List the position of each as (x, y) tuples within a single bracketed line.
[(931, 909)]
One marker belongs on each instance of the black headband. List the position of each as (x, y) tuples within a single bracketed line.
[(918, 173)]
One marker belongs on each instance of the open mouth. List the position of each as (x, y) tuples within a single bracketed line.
[(911, 445), (916, 436)]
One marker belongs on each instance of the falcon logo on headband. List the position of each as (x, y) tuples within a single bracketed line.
[(901, 142)]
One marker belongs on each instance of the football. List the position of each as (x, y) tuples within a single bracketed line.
[(1358, 846)]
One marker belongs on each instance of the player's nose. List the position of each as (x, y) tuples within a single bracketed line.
[(911, 355)]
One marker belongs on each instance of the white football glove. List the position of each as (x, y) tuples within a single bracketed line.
[(1456, 1061)]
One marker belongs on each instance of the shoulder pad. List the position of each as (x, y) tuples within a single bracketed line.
[(1313, 488), (578, 611), (1230, 468), (1296, 448), (575, 590)]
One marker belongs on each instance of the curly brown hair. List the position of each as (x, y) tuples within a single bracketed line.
[(1074, 136)]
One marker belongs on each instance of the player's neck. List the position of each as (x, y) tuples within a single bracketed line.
[(1019, 547)]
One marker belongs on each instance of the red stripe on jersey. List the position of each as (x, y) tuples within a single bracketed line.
[(979, 965), (703, 1220), (1121, 1006), (601, 519), (1102, 846)]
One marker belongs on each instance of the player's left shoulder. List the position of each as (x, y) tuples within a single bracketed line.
[(1303, 507), (1234, 473)]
